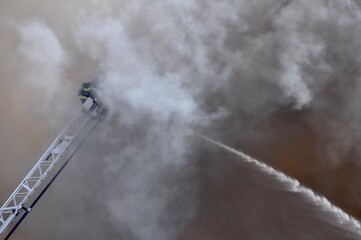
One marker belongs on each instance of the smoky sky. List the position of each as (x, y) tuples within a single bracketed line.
[(279, 80)]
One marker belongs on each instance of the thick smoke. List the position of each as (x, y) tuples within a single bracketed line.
[(130, 83), (148, 106), (277, 79), (43, 61)]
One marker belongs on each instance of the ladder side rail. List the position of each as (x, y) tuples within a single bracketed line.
[(46, 172), (38, 173), (44, 156), (14, 207)]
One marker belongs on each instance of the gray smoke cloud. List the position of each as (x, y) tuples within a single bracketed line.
[(44, 63), (129, 80), (149, 105), (278, 79)]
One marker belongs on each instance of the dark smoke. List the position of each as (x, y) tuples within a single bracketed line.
[(278, 79)]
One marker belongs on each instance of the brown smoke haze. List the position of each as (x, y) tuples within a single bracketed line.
[(279, 80)]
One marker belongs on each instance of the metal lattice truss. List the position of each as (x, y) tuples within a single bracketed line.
[(22, 193)]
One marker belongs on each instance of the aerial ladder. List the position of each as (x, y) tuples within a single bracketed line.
[(91, 111)]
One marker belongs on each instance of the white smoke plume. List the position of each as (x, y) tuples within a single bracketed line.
[(129, 80), (150, 105), (43, 59)]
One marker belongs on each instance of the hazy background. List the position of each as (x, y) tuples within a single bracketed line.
[(279, 80)]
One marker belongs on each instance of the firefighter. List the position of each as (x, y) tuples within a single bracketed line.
[(86, 91)]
